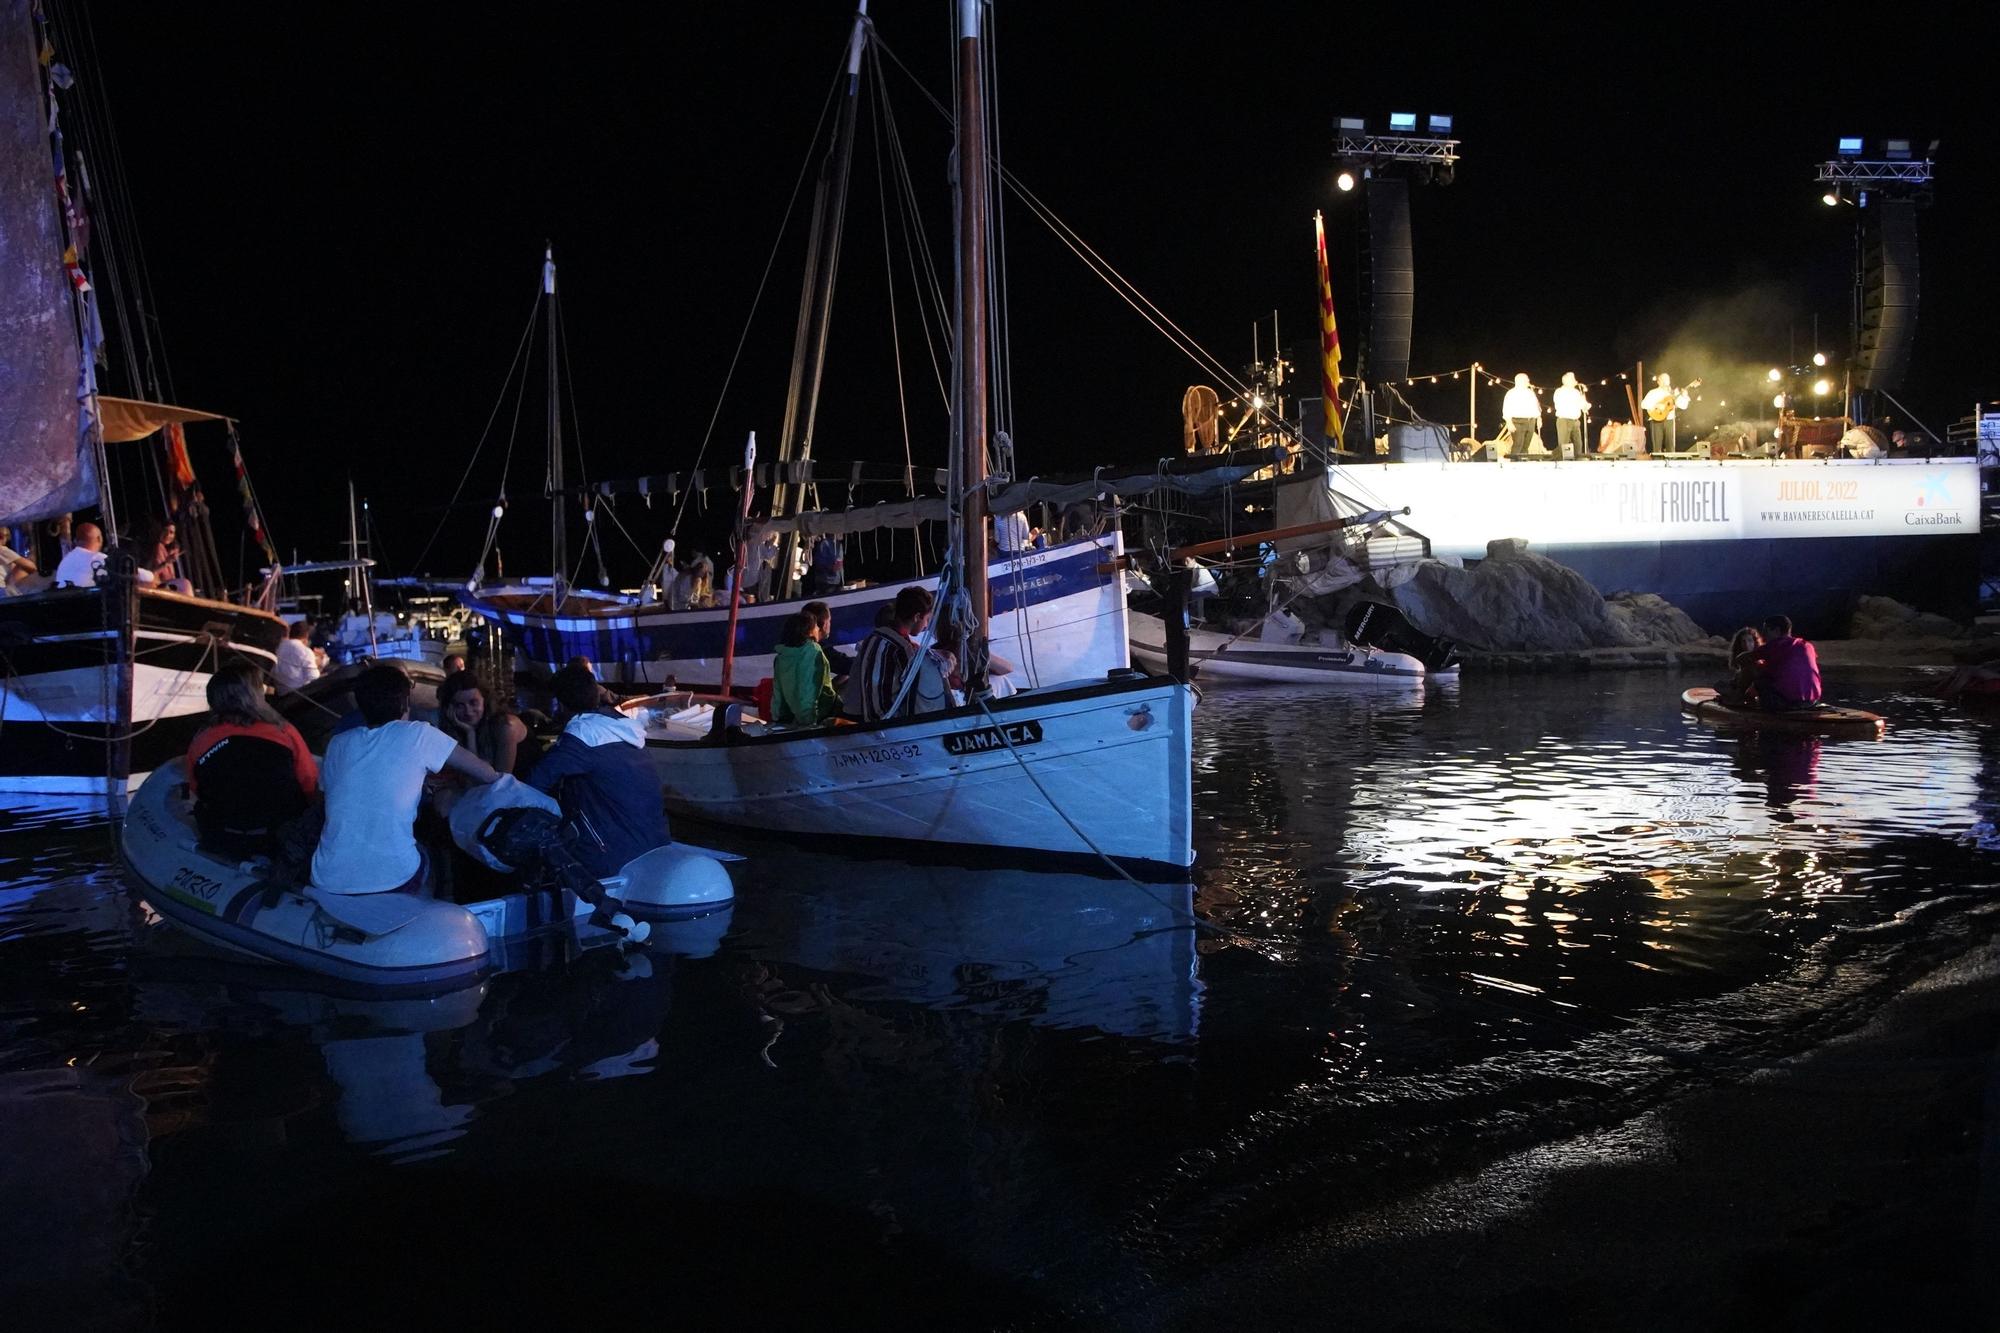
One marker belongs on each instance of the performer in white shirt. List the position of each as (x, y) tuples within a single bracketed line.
[(1524, 415), (1570, 405), (1662, 404)]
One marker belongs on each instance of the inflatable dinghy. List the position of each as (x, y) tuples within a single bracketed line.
[(1824, 720), (392, 940)]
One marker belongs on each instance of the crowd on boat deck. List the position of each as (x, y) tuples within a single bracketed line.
[(152, 544), (1772, 669), (350, 823)]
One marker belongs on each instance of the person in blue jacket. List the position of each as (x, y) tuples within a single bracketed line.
[(599, 773)]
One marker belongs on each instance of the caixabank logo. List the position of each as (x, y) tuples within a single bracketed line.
[(1934, 507)]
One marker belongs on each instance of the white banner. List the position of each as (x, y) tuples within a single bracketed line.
[(1462, 506)]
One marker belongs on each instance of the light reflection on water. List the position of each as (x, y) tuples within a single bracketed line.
[(1433, 918)]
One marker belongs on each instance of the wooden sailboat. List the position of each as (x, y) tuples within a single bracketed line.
[(98, 685), (1092, 770)]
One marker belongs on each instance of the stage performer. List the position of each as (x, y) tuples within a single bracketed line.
[(1524, 414), (1662, 405), (1571, 406)]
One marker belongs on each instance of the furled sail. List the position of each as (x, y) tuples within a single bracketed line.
[(44, 464), (1197, 476)]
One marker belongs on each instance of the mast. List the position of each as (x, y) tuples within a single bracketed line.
[(742, 560), (558, 533), (972, 380), (358, 570), (795, 438)]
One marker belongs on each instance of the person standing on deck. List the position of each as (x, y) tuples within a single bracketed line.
[(1524, 415)]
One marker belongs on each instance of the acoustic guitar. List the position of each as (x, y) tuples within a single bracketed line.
[(1665, 408)]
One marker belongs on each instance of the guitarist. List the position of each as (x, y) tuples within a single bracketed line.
[(1662, 405)]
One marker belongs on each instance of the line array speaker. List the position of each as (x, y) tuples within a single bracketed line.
[(1888, 294), (1392, 280)]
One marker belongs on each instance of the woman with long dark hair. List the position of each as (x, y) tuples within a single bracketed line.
[(494, 734)]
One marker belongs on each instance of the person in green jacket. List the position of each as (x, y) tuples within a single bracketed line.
[(802, 692)]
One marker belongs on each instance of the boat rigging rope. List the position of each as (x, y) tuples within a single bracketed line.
[(1124, 874), (1126, 290), (485, 431), (895, 327), (770, 262)]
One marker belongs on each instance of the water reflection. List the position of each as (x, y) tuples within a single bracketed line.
[(1431, 920)]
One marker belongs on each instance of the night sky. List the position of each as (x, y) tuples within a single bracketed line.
[(343, 211)]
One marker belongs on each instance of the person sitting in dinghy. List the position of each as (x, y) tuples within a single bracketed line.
[(1787, 669), (599, 773), (374, 781), (248, 769), (494, 734)]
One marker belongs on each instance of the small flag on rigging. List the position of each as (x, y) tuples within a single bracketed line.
[(1329, 343)]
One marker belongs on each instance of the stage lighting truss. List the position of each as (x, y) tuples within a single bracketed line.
[(1385, 148), (1851, 172)]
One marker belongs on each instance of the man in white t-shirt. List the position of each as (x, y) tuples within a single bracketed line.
[(84, 561), (83, 566), (297, 663), (1524, 415), (1570, 404), (373, 777)]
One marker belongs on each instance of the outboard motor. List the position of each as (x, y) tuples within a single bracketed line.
[(528, 841), (1379, 625)]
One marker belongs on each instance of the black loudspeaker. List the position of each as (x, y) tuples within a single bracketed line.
[(1888, 294), (1392, 281)]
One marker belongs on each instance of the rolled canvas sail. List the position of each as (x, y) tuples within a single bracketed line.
[(43, 470)]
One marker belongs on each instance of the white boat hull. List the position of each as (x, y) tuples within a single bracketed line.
[(1337, 665), (1112, 759)]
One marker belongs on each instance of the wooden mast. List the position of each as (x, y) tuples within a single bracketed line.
[(972, 367), (809, 339)]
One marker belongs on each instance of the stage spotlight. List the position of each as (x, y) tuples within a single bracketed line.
[(1405, 122), (1861, 200), (1831, 198), (1822, 388), (1779, 402), (1445, 173), (1897, 150), (1345, 180), (1849, 147), (1440, 126), (1819, 358), (1775, 375)]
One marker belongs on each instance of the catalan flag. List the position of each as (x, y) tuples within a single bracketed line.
[(1329, 342)]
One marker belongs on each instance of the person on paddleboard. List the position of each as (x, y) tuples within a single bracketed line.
[(1787, 669)]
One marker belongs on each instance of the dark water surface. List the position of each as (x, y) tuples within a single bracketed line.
[(1432, 928)]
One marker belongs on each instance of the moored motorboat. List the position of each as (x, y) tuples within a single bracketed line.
[(1280, 650), (396, 941), (1822, 720)]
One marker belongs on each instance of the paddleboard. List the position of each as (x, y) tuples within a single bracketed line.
[(1824, 720)]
